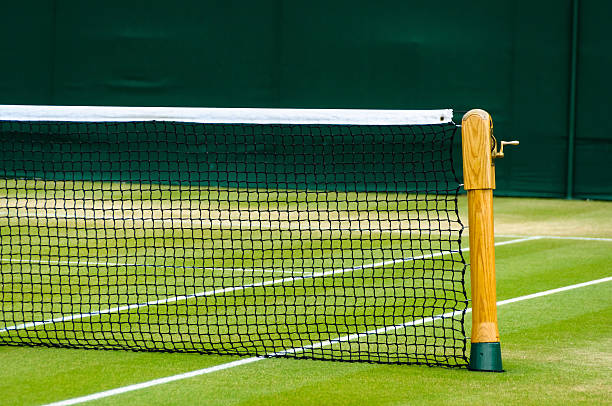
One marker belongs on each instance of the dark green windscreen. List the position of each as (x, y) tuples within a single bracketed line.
[(593, 171), (511, 58)]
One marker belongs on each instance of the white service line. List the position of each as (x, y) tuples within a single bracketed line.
[(87, 262), (174, 299), (553, 291), (156, 382), (326, 343), (554, 237), (522, 239)]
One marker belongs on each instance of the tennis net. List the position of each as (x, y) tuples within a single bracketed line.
[(324, 234)]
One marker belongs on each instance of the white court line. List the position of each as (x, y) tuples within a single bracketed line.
[(553, 237), (174, 299), (326, 343), (65, 318), (87, 262)]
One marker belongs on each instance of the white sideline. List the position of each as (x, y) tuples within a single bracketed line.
[(174, 299), (553, 237), (87, 262), (173, 378)]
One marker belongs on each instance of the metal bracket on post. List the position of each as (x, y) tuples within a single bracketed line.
[(500, 154)]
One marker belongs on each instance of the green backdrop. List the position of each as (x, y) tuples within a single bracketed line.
[(511, 57)]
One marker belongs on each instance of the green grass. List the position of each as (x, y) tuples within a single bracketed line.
[(557, 349), (529, 216)]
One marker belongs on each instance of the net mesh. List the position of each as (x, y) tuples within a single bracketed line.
[(337, 242)]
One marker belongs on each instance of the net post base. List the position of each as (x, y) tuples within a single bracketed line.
[(486, 357)]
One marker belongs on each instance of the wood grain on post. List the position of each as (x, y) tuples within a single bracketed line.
[(479, 181)]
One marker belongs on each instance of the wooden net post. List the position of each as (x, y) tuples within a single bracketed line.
[(479, 150)]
